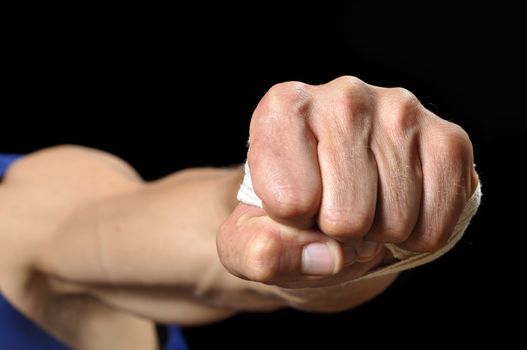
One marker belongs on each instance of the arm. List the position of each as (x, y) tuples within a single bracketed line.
[(150, 249)]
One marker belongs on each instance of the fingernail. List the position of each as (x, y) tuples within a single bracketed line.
[(350, 254), (368, 249), (317, 259)]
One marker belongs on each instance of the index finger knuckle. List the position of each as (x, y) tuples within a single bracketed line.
[(288, 97), (289, 202)]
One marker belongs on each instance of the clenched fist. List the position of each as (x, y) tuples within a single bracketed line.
[(342, 168)]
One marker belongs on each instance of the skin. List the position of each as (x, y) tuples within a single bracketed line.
[(90, 251)]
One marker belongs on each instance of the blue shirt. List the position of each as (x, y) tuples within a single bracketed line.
[(17, 332)]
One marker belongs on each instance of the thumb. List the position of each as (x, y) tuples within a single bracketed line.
[(253, 246)]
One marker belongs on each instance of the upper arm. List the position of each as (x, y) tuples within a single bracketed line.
[(74, 163)]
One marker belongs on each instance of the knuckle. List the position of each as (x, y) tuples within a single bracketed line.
[(426, 245), (429, 242), (287, 202), (263, 257), (344, 224), (397, 230), (352, 94), (458, 140), (403, 111), (289, 97), (404, 97), (453, 144), (349, 82)]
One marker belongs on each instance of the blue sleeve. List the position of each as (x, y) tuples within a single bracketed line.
[(19, 333), (5, 162), (175, 340)]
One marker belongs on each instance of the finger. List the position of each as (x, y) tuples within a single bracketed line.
[(347, 166), (400, 175), (253, 246), (367, 250), (350, 189), (283, 156), (446, 156)]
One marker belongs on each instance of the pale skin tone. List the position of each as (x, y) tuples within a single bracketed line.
[(95, 255)]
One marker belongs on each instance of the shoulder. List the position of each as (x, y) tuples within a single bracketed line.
[(69, 159)]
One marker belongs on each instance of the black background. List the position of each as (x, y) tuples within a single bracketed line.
[(168, 88)]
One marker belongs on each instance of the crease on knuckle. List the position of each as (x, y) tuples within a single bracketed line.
[(431, 239), (287, 202), (345, 224), (428, 244), (397, 229)]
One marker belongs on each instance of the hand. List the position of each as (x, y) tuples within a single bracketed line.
[(341, 168)]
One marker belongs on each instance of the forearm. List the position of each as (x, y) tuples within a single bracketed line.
[(143, 236), (160, 236), (152, 252)]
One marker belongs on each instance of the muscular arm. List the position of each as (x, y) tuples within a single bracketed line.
[(145, 248), (341, 169), (148, 249)]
